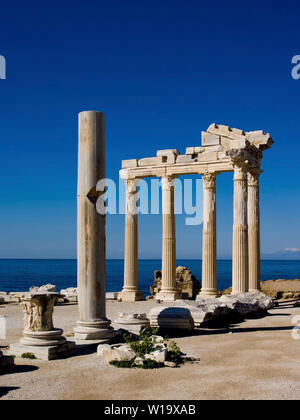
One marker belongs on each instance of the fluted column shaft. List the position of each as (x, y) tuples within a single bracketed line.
[(240, 232), (209, 242), (254, 230), (130, 292), (168, 290), (92, 324)]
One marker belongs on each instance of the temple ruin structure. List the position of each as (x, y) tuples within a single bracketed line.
[(223, 149)]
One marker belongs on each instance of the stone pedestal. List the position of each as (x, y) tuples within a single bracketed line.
[(92, 326), (209, 245), (168, 291), (130, 292), (39, 336), (240, 231), (254, 230), (132, 322)]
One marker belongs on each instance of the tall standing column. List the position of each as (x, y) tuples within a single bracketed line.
[(168, 291), (209, 243), (240, 231), (130, 292), (93, 324), (254, 229)]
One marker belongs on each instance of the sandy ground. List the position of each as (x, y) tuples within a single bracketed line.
[(257, 359)]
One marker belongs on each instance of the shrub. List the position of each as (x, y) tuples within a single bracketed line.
[(28, 356)]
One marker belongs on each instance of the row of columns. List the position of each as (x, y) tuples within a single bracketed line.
[(93, 324), (246, 237)]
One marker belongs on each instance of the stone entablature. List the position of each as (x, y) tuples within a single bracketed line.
[(221, 147)]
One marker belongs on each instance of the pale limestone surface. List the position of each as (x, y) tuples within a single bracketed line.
[(267, 366)]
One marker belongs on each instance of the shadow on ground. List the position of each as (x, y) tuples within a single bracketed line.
[(6, 389)]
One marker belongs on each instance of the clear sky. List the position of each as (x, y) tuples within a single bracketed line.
[(162, 71)]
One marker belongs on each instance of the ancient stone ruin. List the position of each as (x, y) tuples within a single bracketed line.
[(186, 283), (223, 149)]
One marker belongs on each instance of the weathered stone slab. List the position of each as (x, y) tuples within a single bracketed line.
[(210, 139), (186, 159), (129, 163), (205, 310), (259, 139), (208, 156), (118, 355), (167, 152), (171, 318), (193, 150), (44, 288), (43, 352), (153, 161), (133, 322)]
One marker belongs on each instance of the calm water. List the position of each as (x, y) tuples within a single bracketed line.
[(19, 275)]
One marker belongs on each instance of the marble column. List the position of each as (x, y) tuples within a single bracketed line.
[(168, 291), (209, 243), (93, 326), (254, 229), (240, 231), (130, 292)]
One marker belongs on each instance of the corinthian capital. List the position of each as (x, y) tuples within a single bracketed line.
[(209, 180), (253, 177)]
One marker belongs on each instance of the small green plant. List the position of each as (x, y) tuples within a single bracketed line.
[(174, 353), (28, 356), (122, 363), (150, 364), (144, 346)]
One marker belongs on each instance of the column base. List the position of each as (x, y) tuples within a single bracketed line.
[(239, 292), (168, 295), (45, 345), (89, 332), (208, 294), (130, 295)]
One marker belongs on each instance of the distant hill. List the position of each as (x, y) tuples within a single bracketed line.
[(282, 255)]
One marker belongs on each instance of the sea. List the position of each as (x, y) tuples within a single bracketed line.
[(18, 275)]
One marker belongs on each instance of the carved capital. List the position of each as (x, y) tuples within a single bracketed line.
[(38, 310), (209, 180), (253, 177), (240, 171)]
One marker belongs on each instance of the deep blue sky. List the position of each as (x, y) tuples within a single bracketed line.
[(162, 71)]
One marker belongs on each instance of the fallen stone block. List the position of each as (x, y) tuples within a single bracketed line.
[(44, 288), (101, 348), (132, 322), (171, 318), (117, 355), (159, 355)]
